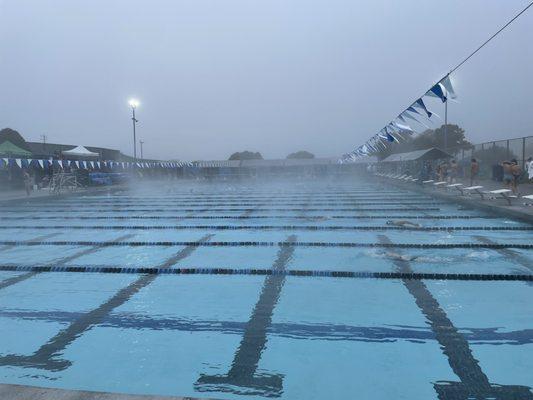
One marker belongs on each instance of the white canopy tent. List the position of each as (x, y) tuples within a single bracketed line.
[(79, 151)]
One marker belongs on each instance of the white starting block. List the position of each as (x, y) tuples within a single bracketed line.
[(427, 182), (457, 186), (440, 184), (474, 189), (528, 197), (504, 193)]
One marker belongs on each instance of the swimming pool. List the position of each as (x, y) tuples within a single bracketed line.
[(266, 291)]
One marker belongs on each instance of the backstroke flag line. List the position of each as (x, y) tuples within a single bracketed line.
[(398, 129)]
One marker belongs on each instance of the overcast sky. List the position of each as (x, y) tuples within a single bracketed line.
[(275, 76)]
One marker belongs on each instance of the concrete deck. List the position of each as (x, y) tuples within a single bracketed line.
[(19, 196), (20, 392)]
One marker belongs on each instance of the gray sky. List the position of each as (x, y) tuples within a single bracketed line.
[(276, 76)]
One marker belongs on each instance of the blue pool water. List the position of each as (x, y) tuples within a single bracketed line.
[(256, 336)]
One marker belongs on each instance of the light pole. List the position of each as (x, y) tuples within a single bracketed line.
[(141, 143), (134, 104)]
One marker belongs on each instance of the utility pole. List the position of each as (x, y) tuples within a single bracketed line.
[(445, 124), (141, 143), (43, 139), (134, 104)]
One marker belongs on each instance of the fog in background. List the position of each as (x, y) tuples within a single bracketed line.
[(275, 76)]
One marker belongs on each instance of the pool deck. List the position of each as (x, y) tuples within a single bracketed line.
[(21, 392), (16, 196), (495, 206)]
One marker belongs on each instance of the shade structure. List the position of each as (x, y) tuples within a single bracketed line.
[(11, 149), (79, 151), (432, 153)]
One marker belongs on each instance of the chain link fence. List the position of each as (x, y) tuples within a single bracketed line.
[(491, 154)]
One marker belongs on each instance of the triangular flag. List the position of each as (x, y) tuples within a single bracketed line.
[(438, 91), (402, 126), (405, 114), (447, 83), (19, 162), (41, 163), (421, 104)]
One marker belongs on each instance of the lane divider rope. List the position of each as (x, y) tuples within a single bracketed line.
[(271, 244), (229, 209), (273, 227), (184, 217), (259, 271)]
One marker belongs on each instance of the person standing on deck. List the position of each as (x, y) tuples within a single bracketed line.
[(474, 171), (27, 182), (454, 171), (529, 168), (507, 174), (516, 171)]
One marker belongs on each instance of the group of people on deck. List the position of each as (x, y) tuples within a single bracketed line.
[(451, 171)]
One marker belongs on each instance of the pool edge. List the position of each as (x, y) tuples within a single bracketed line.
[(24, 392)]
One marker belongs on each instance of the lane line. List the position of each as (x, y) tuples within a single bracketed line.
[(241, 377), (474, 383), (47, 356)]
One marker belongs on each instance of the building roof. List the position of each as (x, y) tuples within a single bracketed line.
[(47, 150), (426, 154), (282, 162)]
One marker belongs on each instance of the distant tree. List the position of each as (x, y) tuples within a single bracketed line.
[(246, 155), (302, 154), (8, 134)]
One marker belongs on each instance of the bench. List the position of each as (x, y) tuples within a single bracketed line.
[(457, 186)]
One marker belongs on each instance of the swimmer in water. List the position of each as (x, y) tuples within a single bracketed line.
[(403, 224), (319, 219), (399, 257)]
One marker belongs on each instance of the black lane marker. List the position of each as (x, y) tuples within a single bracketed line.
[(278, 227), (294, 330), (38, 238), (474, 383), (111, 269), (241, 377), (185, 217), (47, 356), (271, 244), (59, 263), (167, 210), (510, 254), (16, 279)]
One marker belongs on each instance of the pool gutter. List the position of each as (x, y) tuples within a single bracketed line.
[(22, 392), (522, 213), (44, 195)]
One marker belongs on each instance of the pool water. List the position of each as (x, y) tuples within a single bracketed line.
[(207, 334)]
